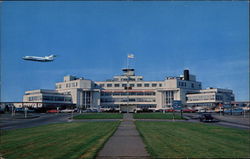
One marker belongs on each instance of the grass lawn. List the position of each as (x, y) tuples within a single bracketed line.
[(156, 116), (60, 141), (99, 116), (193, 140)]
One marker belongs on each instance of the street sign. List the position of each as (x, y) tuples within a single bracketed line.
[(176, 104)]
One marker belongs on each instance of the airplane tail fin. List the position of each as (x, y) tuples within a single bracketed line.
[(52, 55)]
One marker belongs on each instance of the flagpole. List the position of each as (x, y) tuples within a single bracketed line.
[(127, 61), (127, 83)]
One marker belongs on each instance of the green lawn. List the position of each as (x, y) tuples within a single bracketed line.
[(193, 140), (60, 141), (156, 116), (99, 116)]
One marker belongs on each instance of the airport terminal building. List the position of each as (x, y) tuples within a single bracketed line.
[(129, 92)]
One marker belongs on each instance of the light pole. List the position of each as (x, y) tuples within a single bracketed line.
[(13, 111), (25, 112)]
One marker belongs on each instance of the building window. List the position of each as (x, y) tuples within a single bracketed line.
[(109, 85), (34, 98), (140, 93), (132, 93), (146, 85), (68, 99), (116, 94), (192, 85), (154, 85), (131, 85), (117, 85), (102, 85), (160, 85), (149, 93), (139, 85), (124, 85)]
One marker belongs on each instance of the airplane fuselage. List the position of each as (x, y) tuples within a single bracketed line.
[(39, 59)]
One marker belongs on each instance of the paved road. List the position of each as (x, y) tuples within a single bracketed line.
[(7, 122), (126, 143), (225, 121)]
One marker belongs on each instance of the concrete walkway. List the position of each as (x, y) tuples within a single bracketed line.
[(126, 142)]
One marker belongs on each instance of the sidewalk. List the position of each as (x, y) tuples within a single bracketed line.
[(125, 143)]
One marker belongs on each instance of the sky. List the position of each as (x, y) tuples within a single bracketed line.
[(92, 40)]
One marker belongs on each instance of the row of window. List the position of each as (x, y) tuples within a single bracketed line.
[(68, 85), (35, 98), (110, 100), (184, 84), (131, 85), (130, 79), (127, 93), (49, 98), (200, 98), (138, 106)]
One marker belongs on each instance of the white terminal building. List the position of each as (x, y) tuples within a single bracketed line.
[(129, 92)]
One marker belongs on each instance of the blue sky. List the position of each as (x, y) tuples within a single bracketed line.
[(93, 39)]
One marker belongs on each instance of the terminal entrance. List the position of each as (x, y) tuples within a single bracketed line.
[(127, 108)]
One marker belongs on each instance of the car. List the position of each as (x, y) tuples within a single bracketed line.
[(67, 111), (90, 111), (170, 110), (235, 111), (188, 111), (53, 111), (206, 117), (21, 110)]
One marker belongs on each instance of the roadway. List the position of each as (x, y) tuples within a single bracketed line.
[(235, 121), (8, 122)]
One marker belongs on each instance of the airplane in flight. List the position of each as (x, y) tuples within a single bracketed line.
[(40, 59)]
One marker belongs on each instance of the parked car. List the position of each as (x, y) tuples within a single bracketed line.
[(235, 111), (188, 111), (23, 109), (90, 111), (170, 110), (53, 111), (206, 117), (67, 111)]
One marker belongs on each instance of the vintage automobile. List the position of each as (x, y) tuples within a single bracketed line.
[(207, 117), (53, 111)]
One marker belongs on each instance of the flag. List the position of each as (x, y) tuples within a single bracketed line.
[(131, 56)]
